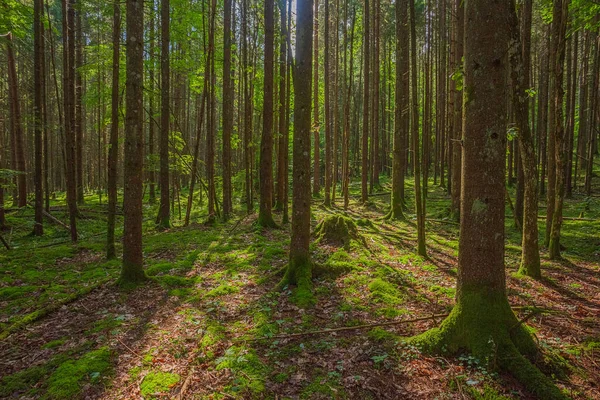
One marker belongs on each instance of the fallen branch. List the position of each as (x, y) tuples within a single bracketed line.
[(346, 328)]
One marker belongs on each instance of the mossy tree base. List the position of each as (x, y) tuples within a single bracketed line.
[(484, 324), (337, 230), (299, 274), (266, 221)]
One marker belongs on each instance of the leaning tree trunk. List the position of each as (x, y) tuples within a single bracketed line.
[(482, 320), (133, 261)]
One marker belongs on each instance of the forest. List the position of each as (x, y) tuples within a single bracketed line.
[(300, 199)]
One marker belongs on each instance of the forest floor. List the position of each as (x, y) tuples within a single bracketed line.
[(206, 325)]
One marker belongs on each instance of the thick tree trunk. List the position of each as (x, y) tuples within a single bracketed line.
[(113, 150), (164, 212), (482, 321), (133, 261), (265, 216), (299, 268)]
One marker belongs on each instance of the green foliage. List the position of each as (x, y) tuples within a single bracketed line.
[(247, 368)]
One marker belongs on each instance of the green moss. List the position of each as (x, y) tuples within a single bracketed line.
[(384, 292), (382, 335), (323, 387), (68, 379), (15, 292), (23, 381), (54, 343), (336, 230), (248, 370), (158, 383), (222, 290), (488, 393)]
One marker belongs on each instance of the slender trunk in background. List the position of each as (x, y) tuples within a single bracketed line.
[(327, 105), (265, 216), (247, 109), (572, 93), (69, 102), (316, 127), (283, 95), (414, 124), (15, 124), (133, 259), (227, 110), (560, 17), (580, 164), (113, 149), (542, 125), (151, 121), (38, 82), (286, 161), (441, 105), (164, 213), (375, 118), (520, 66), (401, 125), (211, 132), (348, 101), (456, 141), (592, 123), (79, 128), (366, 99), (194, 173)]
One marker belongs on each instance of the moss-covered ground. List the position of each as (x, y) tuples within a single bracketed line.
[(67, 331)]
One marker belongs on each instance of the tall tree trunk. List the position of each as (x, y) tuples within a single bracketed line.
[(572, 93), (113, 150), (559, 27), (265, 216), (348, 101), (482, 320), (456, 142), (283, 128), (227, 110), (316, 124), (79, 114), (247, 109), (164, 212), (327, 105), (366, 109), (69, 102), (375, 118), (520, 67), (401, 110), (38, 82), (414, 124), (593, 123), (299, 268), (16, 127), (151, 120), (133, 261)]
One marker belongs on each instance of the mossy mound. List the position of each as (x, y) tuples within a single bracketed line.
[(158, 384), (337, 230)]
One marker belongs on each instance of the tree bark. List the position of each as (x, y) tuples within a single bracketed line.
[(265, 216), (520, 66), (113, 150), (164, 212), (38, 82), (299, 268), (316, 124), (366, 109), (133, 260), (227, 110)]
